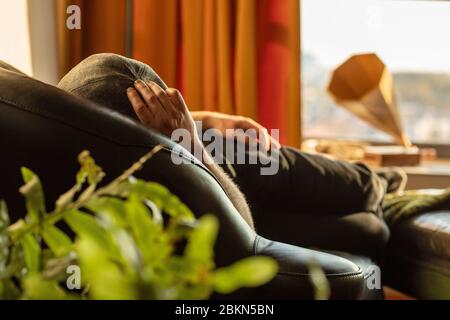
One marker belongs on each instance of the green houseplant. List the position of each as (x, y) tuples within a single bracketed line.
[(134, 240)]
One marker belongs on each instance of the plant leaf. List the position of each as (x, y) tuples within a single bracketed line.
[(145, 190), (34, 195), (105, 277), (110, 207), (250, 272), (86, 225), (4, 237), (38, 288), (8, 290), (319, 281), (4, 216), (58, 242), (89, 169), (149, 236), (55, 268), (16, 262), (31, 252), (4, 252), (157, 194), (200, 247)]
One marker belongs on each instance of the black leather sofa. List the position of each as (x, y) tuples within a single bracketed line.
[(44, 129), (417, 258)]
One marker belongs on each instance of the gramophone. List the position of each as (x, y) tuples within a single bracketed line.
[(364, 86)]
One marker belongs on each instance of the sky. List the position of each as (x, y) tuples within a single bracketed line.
[(406, 35)]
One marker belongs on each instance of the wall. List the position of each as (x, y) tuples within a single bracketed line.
[(43, 43)]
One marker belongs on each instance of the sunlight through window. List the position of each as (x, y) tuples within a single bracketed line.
[(409, 36), (14, 34)]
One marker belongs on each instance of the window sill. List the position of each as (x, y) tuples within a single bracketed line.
[(433, 174)]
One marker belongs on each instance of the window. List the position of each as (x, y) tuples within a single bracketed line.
[(14, 34), (411, 37), (28, 37)]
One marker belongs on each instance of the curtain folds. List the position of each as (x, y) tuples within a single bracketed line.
[(103, 29), (232, 56)]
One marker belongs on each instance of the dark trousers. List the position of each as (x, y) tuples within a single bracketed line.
[(315, 202)]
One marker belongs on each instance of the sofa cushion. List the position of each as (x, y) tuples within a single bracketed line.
[(419, 250)]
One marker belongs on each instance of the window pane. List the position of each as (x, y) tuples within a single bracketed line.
[(411, 37), (14, 35)]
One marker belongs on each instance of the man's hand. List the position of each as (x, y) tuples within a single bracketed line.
[(163, 111), (222, 122), (166, 111)]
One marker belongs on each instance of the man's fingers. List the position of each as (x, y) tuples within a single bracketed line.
[(275, 143), (164, 99), (264, 137), (246, 138), (149, 96), (270, 141), (177, 100), (139, 106)]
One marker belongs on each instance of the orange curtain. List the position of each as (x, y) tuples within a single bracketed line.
[(232, 56), (103, 29)]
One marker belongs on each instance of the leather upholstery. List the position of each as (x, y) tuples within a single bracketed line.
[(44, 129), (426, 236), (293, 262), (420, 250), (370, 292)]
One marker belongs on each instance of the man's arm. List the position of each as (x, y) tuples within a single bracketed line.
[(223, 122), (166, 111)]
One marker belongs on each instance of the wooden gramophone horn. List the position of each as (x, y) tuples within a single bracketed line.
[(364, 86)]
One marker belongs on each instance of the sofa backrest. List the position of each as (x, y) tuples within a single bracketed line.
[(44, 128)]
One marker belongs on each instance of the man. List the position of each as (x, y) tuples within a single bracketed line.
[(310, 201)]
